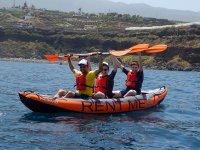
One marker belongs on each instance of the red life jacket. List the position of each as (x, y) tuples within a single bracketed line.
[(101, 84), (80, 82), (131, 80)]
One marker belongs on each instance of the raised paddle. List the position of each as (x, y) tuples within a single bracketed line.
[(153, 49), (133, 49), (156, 49), (136, 48), (139, 48), (53, 58)]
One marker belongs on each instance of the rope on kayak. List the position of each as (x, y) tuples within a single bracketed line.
[(39, 96)]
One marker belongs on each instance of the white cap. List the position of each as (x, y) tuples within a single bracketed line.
[(83, 62), (106, 64)]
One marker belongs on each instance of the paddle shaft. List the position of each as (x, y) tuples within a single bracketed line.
[(89, 54), (133, 49)]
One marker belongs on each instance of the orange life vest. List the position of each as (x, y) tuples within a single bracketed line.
[(131, 80), (101, 84), (80, 82)]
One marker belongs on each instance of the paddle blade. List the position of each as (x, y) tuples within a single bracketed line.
[(156, 49), (51, 58), (65, 58), (133, 49), (138, 48), (119, 53)]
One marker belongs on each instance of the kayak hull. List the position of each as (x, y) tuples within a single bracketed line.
[(45, 103)]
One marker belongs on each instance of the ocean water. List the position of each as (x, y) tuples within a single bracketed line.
[(174, 124)]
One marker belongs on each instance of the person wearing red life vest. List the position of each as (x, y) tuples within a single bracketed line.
[(134, 79), (85, 79), (105, 82)]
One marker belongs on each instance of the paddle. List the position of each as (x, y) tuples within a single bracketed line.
[(139, 48), (136, 48), (53, 58), (133, 49), (156, 49), (153, 49)]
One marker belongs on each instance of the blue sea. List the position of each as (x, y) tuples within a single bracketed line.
[(174, 124)]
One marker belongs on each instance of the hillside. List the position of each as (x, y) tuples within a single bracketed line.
[(106, 6), (53, 32)]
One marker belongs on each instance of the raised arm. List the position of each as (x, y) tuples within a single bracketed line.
[(89, 62), (71, 66), (115, 66), (100, 65), (140, 61), (118, 63)]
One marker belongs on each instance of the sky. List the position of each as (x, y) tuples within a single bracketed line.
[(193, 5)]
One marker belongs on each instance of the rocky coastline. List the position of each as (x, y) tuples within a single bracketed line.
[(172, 66), (31, 60), (150, 66)]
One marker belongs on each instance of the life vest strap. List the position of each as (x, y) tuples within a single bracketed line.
[(131, 81), (84, 85), (101, 87)]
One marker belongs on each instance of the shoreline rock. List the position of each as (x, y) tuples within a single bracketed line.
[(25, 60), (154, 66)]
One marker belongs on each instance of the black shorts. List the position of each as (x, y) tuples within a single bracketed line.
[(110, 95), (83, 96), (123, 92)]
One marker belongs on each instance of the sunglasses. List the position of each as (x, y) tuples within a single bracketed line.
[(82, 66), (134, 65), (105, 69)]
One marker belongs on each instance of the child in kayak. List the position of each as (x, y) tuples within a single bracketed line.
[(105, 82), (134, 79)]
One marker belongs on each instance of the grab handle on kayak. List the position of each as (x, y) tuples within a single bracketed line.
[(28, 91), (163, 87)]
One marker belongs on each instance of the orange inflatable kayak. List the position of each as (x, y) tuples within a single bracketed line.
[(45, 103)]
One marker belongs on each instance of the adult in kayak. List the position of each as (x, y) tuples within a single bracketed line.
[(134, 79), (85, 79), (105, 81)]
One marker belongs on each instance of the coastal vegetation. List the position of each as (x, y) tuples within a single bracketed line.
[(31, 33)]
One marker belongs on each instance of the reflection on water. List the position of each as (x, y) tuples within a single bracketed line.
[(112, 130), (79, 118)]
